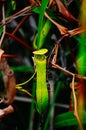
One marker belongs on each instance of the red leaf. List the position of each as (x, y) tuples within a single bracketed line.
[(63, 10), (77, 31)]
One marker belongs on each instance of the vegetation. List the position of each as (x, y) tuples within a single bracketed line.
[(42, 63)]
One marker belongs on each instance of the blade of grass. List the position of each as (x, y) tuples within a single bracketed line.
[(40, 22), (52, 104), (32, 108)]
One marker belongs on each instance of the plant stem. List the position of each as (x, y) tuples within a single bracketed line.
[(75, 104), (20, 41), (4, 27)]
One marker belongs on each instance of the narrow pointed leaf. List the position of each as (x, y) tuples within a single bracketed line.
[(63, 10), (77, 31), (63, 30), (40, 22)]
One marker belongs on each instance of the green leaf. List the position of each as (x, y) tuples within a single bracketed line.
[(57, 86), (67, 119), (36, 10), (9, 8), (13, 3), (1, 30), (43, 34), (40, 22)]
